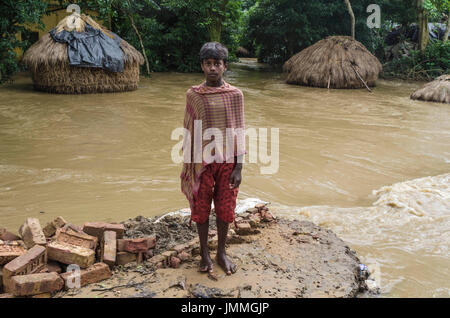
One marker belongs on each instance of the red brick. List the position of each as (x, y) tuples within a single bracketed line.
[(266, 216), (34, 284), (175, 262), (168, 256), (31, 233), (123, 258), (148, 254), (98, 228), (136, 245), (51, 227), (181, 247), (33, 261), (72, 237), (243, 228), (254, 220), (157, 259), (260, 206), (253, 210), (8, 236), (193, 243), (109, 248), (70, 254), (8, 252), (184, 256), (93, 274)]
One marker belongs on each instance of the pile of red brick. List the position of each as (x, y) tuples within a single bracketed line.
[(35, 263)]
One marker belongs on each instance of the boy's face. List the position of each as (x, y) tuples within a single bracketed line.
[(213, 69)]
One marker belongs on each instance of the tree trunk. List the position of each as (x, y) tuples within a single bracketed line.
[(352, 16), (215, 31), (448, 29), (422, 25), (215, 27), (130, 16)]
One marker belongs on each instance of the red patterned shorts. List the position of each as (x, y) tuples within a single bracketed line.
[(215, 184)]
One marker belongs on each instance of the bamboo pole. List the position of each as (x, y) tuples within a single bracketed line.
[(352, 16), (363, 81)]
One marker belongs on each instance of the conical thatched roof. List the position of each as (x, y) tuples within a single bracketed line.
[(48, 62), (335, 62), (435, 91)]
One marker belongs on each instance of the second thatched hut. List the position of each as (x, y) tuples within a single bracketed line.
[(436, 91), (48, 61), (334, 62)]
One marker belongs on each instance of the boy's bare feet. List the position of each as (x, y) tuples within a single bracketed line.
[(228, 266), (206, 266)]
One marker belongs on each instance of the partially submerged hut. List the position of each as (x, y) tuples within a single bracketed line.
[(242, 52), (435, 91), (334, 62), (51, 71)]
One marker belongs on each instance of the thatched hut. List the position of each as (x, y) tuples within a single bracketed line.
[(242, 52), (48, 62), (334, 62), (435, 91)]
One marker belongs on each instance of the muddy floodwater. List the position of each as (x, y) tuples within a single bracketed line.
[(372, 167)]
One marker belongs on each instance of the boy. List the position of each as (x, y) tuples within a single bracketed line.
[(213, 109)]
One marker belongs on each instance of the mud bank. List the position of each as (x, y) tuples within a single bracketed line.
[(282, 258)]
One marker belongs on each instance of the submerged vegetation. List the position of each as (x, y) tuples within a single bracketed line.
[(169, 33)]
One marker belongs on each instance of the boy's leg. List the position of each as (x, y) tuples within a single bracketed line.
[(206, 262), (200, 215), (224, 203), (228, 266)]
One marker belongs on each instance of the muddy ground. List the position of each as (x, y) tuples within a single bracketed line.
[(287, 258)]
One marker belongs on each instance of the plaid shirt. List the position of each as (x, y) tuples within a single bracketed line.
[(216, 107)]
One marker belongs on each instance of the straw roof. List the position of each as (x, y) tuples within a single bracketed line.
[(49, 64), (334, 62), (242, 52), (435, 91)]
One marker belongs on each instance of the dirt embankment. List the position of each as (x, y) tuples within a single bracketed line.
[(282, 258)]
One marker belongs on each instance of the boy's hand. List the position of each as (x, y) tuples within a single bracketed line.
[(235, 177)]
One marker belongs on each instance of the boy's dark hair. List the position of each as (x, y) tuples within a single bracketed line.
[(214, 50)]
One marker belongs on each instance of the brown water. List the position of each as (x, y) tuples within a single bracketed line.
[(108, 157)]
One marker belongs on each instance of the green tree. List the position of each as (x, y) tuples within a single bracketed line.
[(171, 32), (15, 16), (130, 9), (422, 24), (281, 28), (214, 13)]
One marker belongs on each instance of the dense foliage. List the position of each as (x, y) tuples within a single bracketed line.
[(171, 32), (14, 15), (281, 28), (434, 62)]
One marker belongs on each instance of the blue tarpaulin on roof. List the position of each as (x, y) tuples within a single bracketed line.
[(92, 48)]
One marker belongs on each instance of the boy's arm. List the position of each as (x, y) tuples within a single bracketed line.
[(236, 177)]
